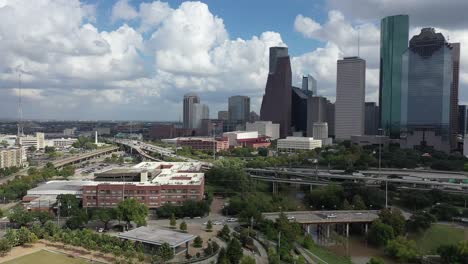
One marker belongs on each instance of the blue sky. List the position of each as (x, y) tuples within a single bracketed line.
[(245, 18)]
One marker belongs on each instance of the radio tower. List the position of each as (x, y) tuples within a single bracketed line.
[(20, 109)]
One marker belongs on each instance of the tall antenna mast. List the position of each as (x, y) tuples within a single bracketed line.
[(358, 40), (20, 108)]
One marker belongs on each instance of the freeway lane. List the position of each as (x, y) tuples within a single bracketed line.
[(301, 175)]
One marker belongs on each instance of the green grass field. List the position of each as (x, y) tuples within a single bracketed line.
[(46, 257), (328, 256), (437, 235)]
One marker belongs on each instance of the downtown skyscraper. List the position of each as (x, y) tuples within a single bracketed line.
[(188, 109), (239, 108), (276, 103), (429, 92), (350, 96), (393, 43), (193, 111)]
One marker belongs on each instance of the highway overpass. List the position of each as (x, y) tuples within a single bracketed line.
[(84, 157), (320, 177), (320, 224)]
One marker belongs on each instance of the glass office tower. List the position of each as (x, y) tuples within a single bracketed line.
[(393, 43), (426, 87)]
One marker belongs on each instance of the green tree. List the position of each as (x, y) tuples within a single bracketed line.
[(49, 149), (420, 221), (375, 260), (42, 216), (67, 171), (5, 247), (358, 203), (224, 233), (247, 260), (222, 257), (68, 203), (272, 256), (3, 143), (402, 249), (329, 197), (263, 152), (78, 220), (25, 236), (173, 221), (449, 254), (393, 218), (347, 205), (380, 233), (165, 252), (20, 216), (209, 226), (32, 148), (198, 242), (183, 226), (308, 242), (234, 251), (105, 215), (131, 210), (84, 143)]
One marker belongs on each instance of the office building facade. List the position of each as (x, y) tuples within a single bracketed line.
[(350, 96), (264, 128), (239, 108), (188, 109), (276, 103), (371, 123), (454, 95), (309, 84), (393, 43), (427, 87), (462, 118), (11, 157), (223, 115), (299, 110)]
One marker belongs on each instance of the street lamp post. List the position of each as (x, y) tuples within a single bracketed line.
[(58, 213)]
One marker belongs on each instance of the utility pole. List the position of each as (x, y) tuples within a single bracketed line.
[(279, 246), (214, 143), (58, 213)]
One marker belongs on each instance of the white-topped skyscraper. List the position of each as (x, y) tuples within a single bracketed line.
[(350, 97)]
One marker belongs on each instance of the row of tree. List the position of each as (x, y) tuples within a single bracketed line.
[(129, 210), (17, 188), (4, 172)]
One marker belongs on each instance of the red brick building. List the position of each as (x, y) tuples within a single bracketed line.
[(158, 183), (204, 144)]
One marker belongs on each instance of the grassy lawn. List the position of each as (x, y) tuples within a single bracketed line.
[(46, 257), (438, 234), (328, 256)]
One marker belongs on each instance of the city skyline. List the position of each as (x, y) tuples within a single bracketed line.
[(110, 63)]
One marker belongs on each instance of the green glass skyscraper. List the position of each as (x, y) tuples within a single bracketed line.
[(393, 43)]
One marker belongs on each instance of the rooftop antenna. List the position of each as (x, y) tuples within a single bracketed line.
[(20, 108), (358, 40)]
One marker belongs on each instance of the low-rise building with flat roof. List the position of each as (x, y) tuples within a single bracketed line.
[(151, 183), (291, 144), (153, 237), (264, 128), (203, 143)]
